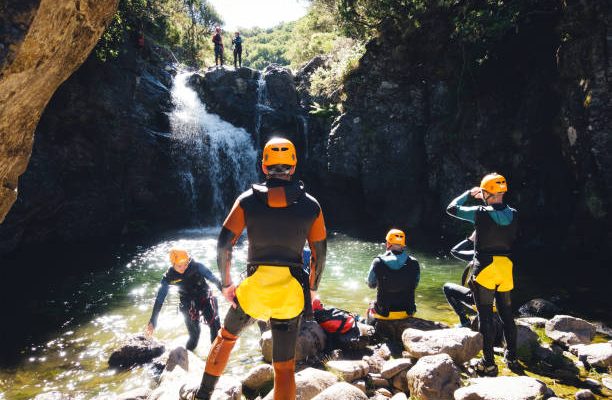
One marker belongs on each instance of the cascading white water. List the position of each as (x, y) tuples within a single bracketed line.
[(304, 120), (205, 136)]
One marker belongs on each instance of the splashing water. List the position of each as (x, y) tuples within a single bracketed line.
[(228, 150)]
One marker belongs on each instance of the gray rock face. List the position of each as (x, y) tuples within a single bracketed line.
[(349, 370), (461, 344), (434, 378), (393, 367), (136, 394), (569, 330), (341, 390), (502, 388), (536, 322), (136, 350), (584, 394), (526, 339), (309, 383), (259, 377), (597, 355), (54, 395), (310, 342), (539, 308)]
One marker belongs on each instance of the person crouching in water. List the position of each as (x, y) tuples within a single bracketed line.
[(395, 275), (496, 229), (279, 217), (196, 298)]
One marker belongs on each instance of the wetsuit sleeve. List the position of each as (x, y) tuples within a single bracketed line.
[(162, 292), (206, 273), (417, 275), (317, 240), (464, 250), (230, 232), (457, 209), (372, 281)]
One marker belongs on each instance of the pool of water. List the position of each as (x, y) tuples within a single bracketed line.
[(116, 302)]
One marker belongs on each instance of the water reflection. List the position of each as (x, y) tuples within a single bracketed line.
[(75, 360)]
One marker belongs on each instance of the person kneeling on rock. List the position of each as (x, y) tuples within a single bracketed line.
[(196, 298), (395, 275)]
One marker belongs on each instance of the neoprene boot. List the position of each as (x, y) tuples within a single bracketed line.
[(284, 380)]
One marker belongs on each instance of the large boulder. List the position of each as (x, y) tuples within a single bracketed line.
[(341, 390), (185, 368), (569, 330), (309, 383), (310, 342), (539, 308), (259, 377), (348, 370), (461, 344), (503, 388), (597, 355), (526, 340), (434, 378), (134, 351)]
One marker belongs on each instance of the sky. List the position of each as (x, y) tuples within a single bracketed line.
[(262, 13)]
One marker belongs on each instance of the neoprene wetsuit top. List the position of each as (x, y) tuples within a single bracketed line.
[(396, 275), (191, 284)]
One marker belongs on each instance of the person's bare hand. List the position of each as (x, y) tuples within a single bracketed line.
[(149, 330), (476, 192), (230, 294)]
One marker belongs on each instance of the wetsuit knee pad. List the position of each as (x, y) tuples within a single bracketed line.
[(236, 320)]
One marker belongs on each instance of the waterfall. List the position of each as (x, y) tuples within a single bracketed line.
[(304, 119), (211, 147), (261, 106)]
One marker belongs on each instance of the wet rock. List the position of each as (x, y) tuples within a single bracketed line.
[(434, 378), (536, 322), (310, 342), (526, 341), (502, 388), (349, 370), (592, 383), (399, 396), (341, 390), (378, 381), (461, 344), (309, 383), (395, 366), (607, 381), (136, 394), (135, 351), (597, 355), (185, 368), (584, 394), (384, 392), (400, 382), (259, 377), (539, 308), (54, 395), (361, 385), (569, 330)]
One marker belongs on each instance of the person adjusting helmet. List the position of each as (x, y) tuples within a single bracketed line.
[(395, 275), (196, 298), (279, 217), (496, 230)]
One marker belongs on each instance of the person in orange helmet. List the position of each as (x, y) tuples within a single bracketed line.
[(279, 217), (491, 281), (196, 298)]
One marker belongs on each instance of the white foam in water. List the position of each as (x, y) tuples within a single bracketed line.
[(203, 132)]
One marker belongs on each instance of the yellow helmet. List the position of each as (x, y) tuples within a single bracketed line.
[(178, 256), (395, 236), (278, 151), (494, 183)]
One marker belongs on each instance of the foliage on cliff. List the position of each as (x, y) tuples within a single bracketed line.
[(183, 26)]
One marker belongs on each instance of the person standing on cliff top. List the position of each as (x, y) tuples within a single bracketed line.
[(217, 39), (496, 229), (279, 217), (237, 43), (196, 298)]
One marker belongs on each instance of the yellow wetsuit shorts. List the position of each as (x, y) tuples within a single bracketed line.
[(497, 275), (271, 292)]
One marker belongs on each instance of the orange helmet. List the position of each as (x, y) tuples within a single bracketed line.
[(494, 183), (395, 236), (278, 151), (178, 256)]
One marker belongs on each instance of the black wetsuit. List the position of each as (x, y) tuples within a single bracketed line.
[(195, 299), (218, 41), (237, 42)]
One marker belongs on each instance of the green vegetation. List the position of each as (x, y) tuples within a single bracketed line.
[(182, 26)]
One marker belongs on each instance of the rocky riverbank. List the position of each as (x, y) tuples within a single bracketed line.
[(561, 357)]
